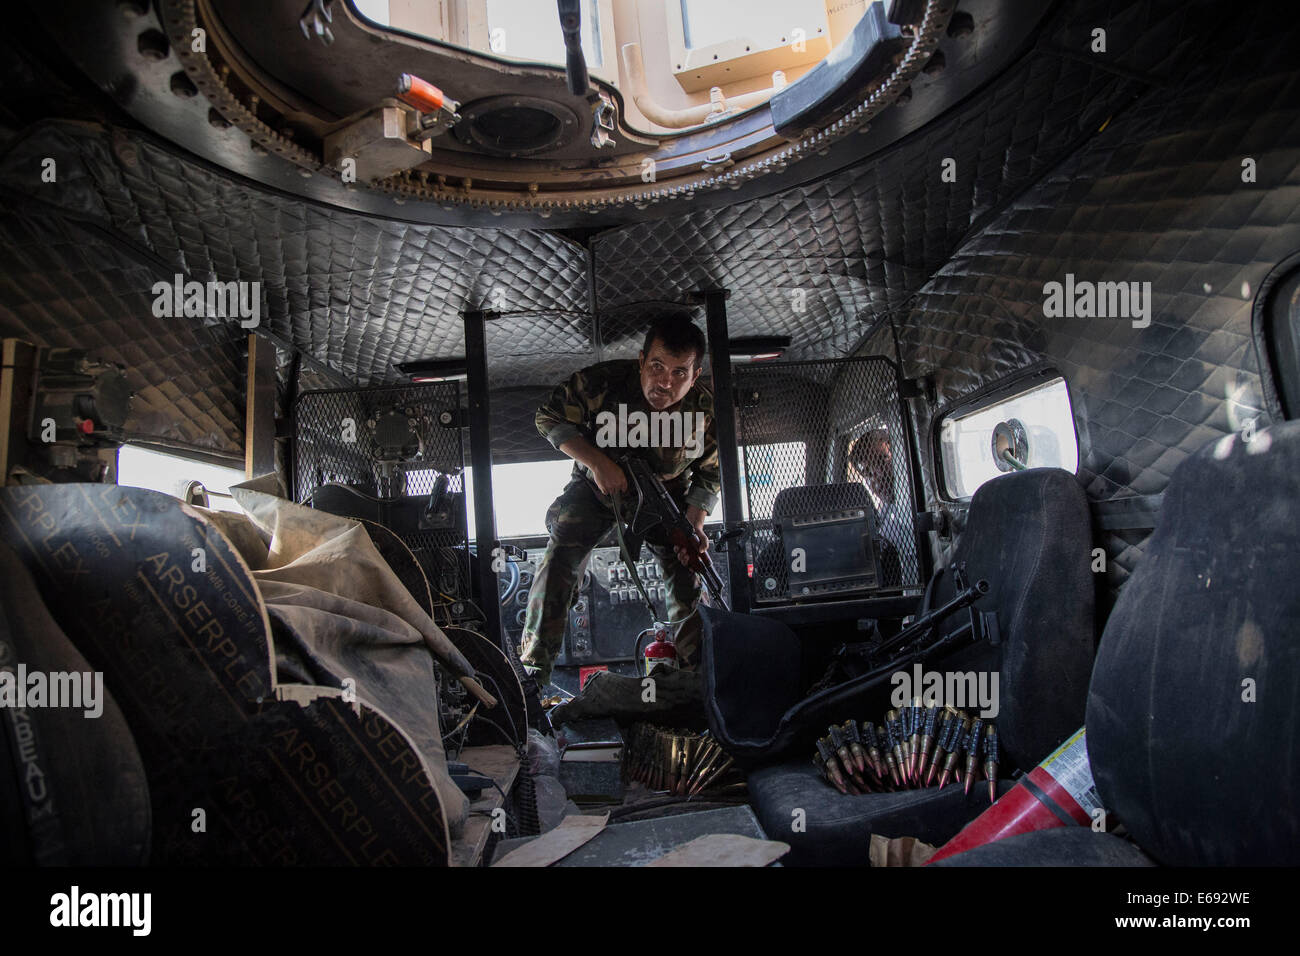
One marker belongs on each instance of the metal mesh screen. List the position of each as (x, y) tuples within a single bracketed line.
[(390, 442), (825, 439)]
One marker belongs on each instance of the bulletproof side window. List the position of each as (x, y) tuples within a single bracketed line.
[(1025, 422)]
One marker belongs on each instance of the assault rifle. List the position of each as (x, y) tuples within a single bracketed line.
[(913, 638), (655, 509), (916, 642)]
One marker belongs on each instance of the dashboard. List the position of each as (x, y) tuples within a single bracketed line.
[(607, 614)]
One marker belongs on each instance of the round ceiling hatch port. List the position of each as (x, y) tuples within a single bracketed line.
[(516, 125)]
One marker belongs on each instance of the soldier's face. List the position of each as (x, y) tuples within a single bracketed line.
[(878, 470), (666, 376)]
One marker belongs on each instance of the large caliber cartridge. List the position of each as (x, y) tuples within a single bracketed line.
[(874, 745), (904, 738), (895, 728), (827, 754), (712, 776), (991, 760), (972, 753), (689, 745), (855, 744), (960, 727), (927, 740), (841, 746), (820, 764), (706, 760), (676, 751), (914, 736), (942, 740), (892, 753)]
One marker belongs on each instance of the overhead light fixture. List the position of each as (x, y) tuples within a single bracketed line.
[(758, 348), (425, 371)]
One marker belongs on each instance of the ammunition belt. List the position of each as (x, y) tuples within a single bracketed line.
[(908, 750), (684, 763)]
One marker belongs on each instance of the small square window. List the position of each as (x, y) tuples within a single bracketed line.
[(139, 467), (1030, 428)]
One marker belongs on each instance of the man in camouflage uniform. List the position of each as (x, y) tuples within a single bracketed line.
[(665, 377)]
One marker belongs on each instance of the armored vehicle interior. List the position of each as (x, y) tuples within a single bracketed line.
[(1002, 310)]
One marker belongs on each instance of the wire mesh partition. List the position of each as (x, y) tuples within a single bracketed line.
[(390, 444), (824, 459)]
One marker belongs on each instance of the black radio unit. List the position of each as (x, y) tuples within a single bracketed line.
[(831, 553)]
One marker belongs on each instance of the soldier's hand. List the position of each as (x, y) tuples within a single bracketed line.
[(609, 476), (685, 556)]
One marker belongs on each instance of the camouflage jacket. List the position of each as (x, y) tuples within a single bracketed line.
[(576, 406)]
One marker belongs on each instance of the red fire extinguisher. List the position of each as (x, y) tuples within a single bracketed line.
[(661, 651), (1058, 792)]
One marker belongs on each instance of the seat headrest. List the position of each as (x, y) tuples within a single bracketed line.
[(1194, 706), (1008, 502), (813, 499)]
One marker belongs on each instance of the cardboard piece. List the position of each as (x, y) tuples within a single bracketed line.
[(724, 849), (899, 851), (556, 844)]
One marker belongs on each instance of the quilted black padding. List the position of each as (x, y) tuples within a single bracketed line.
[(1065, 846), (1193, 720), (63, 285), (354, 294), (835, 829), (1157, 195)]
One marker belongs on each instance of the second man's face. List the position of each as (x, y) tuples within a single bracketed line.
[(666, 376)]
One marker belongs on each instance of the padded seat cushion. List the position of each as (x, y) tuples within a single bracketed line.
[(1193, 720), (838, 828), (1066, 846), (1029, 535), (811, 499)]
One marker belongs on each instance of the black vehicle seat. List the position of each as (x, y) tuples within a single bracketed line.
[(73, 790), (1029, 535), (1193, 721), (159, 600), (820, 499)]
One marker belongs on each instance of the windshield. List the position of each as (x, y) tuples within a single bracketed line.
[(684, 47), (510, 29)]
